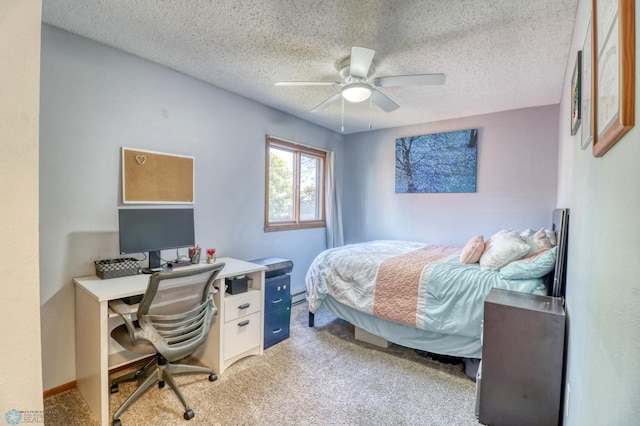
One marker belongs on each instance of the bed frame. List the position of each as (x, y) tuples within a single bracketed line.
[(387, 330), (561, 226)]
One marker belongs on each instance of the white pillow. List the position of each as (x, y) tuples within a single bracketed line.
[(496, 235), (503, 249), (472, 251), (526, 234)]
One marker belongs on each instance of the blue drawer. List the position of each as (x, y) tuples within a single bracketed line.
[(277, 294), (276, 326)]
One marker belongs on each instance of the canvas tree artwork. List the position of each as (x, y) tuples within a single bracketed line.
[(440, 162)]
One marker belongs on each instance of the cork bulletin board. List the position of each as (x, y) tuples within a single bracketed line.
[(155, 177)]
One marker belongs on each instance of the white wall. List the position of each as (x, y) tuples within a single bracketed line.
[(20, 369), (516, 181), (94, 100), (603, 284)]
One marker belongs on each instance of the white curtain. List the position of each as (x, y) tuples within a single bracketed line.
[(333, 212)]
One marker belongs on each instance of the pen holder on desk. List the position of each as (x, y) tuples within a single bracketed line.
[(194, 255)]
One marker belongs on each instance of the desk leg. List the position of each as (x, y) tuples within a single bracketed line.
[(92, 353)]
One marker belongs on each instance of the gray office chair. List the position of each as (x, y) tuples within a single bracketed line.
[(174, 319)]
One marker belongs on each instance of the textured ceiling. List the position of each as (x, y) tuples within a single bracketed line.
[(497, 54)]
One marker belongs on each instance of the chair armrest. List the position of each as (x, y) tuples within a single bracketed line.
[(122, 309), (119, 307)]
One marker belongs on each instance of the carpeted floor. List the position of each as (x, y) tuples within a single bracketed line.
[(319, 376)]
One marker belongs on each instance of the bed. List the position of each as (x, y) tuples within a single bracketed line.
[(431, 297)]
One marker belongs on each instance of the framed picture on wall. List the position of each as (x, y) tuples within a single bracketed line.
[(576, 94), (613, 26), (587, 130), (439, 162)]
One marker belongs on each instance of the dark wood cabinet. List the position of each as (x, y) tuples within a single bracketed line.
[(522, 359)]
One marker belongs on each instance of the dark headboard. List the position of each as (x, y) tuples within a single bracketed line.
[(561, 226)]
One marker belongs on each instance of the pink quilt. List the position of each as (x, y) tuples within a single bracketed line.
[(398, 282)]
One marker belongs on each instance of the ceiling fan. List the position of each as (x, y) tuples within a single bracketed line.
[(356, 85)]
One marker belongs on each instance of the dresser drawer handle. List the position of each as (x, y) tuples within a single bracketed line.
[(244, 306), (243, 323), (276, 331), (276, 301)]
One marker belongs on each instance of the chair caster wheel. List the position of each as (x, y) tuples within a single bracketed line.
[(189, 414), (161, 384), (213, 377), (116, 422), (113, 389)]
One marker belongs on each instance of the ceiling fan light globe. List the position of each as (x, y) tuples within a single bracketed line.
[(356, 92)]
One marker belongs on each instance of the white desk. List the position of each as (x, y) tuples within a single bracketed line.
[(95, 355)]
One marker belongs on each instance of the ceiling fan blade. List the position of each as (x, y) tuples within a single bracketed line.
[(410, 80), (306, 83), (361, 58), (383, 101), (327, 102)]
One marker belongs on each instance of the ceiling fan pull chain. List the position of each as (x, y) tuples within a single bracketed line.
[(342, 115)]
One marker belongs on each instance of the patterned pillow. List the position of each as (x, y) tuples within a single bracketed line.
[(472, 250), (535, 265), (551, 235), (538, 240), (503, 249)]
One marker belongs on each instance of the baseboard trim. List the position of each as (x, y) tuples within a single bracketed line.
[(59, 389), (74, 384)]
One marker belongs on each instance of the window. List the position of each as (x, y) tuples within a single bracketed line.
[(295, 186)]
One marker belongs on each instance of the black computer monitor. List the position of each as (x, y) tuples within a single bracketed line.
[(153, 230)]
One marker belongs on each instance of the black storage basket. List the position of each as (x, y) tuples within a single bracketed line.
[(114, 268), (237, 285)]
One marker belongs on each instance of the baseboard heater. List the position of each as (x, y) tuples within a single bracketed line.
[(298, 298)]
